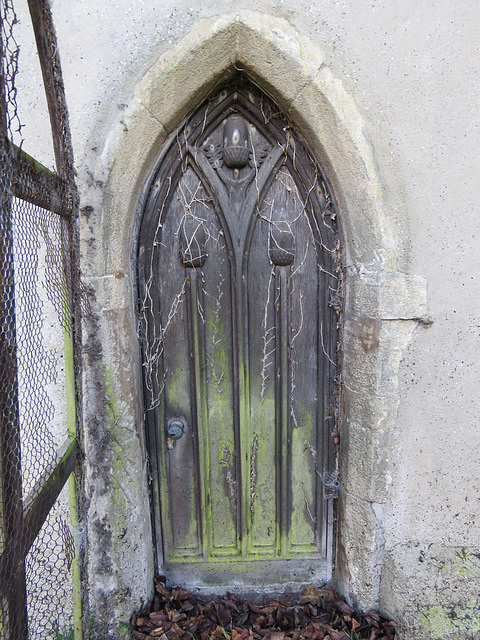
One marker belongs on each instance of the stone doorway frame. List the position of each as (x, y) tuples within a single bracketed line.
[(382, 303)]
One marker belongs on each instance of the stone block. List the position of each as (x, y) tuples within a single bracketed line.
[(131, 166), (330, 121), (372, 354), (269, 49), (388, 296), (183, 76), (377, 413), (365, 465), (358, 544)]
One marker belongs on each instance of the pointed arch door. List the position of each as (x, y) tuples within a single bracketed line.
[(238, 284)]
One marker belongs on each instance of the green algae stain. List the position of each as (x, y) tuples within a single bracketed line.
[(454, 562), (110, 397), (114, 416), (222, 490), (304, 514), (450, 622), (453, 566), (465, 563), (178, 388), (217, 341)]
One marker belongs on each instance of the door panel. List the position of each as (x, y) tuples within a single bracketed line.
[(236, 274), (197, 376), (262, 442)]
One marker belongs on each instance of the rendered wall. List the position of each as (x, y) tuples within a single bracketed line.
[(387, 94)]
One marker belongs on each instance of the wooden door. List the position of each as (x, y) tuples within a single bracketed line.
[(238, 286)]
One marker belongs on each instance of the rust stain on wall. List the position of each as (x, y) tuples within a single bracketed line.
[(367, 330)]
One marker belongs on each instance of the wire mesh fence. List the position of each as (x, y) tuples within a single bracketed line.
[(42, 330), (49, 575), (40, 325), (39, 451)]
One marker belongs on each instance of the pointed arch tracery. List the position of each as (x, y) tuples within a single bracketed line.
[(238, 275)]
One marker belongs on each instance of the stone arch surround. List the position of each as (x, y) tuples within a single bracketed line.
[(382, 303)]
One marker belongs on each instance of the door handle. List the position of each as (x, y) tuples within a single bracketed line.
[(175, 430)]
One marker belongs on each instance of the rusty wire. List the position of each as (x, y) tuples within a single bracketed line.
[(39, 297), (11, 52)]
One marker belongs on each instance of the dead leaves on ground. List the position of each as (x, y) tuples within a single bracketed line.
[(317, 614)]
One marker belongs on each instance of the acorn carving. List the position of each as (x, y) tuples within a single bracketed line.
[(235, 143)]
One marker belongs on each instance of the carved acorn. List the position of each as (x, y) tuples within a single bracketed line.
[(235, 143)]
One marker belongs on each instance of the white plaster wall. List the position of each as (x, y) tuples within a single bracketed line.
[(411, 68)]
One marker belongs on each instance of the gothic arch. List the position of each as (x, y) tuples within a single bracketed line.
[(379, 298)]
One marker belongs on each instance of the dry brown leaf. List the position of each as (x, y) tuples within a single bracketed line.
[(310, 594), (220, 633), (343, 606), (239, 634), (319, 614), (264, 608), (144, 621)]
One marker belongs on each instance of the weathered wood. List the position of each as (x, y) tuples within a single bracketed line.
[(34, 183), (232, 343), (54, 90), (37, 511), (29, 524)]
